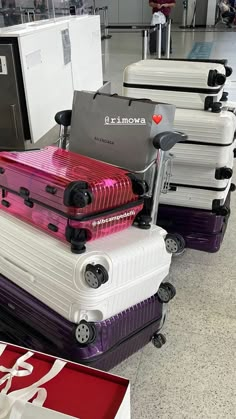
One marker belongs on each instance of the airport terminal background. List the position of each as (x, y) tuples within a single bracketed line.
[(194, 375)]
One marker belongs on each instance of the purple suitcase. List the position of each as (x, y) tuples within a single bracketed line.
[(109, 342), (201, 229)]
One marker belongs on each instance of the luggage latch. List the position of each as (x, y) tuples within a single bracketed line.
[(28, 203), (51, 189), (2, 170), (5, 203), (24, 192)]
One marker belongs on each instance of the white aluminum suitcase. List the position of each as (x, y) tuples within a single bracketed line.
[(211, 199), (115, 273), (210, 140), (190, 85), (202, 176)]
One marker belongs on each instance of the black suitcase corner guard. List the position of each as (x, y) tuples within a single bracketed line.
[(78, 195)]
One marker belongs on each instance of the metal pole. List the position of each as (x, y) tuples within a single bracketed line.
[(159, 178), (63, 137), (145, 44), (159, 41), (105, 21), (168, 39)]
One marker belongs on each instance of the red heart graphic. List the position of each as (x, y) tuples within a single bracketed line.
[(157, 119)]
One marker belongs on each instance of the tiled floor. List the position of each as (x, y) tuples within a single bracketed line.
[(194, 375)]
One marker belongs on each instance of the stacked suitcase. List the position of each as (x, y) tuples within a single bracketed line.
[(81, 271), (196, 209)]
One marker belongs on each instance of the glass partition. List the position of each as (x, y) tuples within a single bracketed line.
[(15, 12)]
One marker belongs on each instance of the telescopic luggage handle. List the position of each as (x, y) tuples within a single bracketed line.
[(165, 141), (63, 118)]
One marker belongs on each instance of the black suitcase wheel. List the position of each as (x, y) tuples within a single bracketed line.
[(224, 97), (227, 172), (216, 107), (85, 333), (224, 211), (144, 221), (158, 340), (166, 292), (175, 244), (232, 187), (96, 275)]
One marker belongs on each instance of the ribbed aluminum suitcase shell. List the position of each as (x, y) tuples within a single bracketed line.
[(195, 197), (190, 85), (65, 181), (116, 272), (201, 230), (202, 176), (210, 140), (67, 229), (24, 316), (22, 336)]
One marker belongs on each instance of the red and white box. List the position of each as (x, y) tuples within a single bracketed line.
[(34, 385)]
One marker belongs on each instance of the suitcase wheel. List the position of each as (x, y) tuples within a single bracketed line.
[(96, 275), (85, 333), (232, 187), (175, 244), (143, 222), (216, 107), (223, 211), (224, 173), (158, 340), (81, 199), (228, 71), (139, 187), (224, 97), (166, 292)]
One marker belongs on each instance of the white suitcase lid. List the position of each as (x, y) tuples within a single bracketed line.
[(175, 74), (206, 128)]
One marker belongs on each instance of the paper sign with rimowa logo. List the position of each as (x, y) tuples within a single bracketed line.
[(124, 121), (114, 218)]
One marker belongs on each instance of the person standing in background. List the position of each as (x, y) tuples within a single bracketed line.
[(227, 12), (165, 7)]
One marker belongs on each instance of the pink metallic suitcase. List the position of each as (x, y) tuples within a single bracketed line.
[(73, 197), (75, 231), (68, 182)]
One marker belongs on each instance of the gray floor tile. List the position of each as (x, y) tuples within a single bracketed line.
[(191, 378)]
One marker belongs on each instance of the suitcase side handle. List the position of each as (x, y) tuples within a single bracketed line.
[(63, 118), (7, 265), (165, 141)]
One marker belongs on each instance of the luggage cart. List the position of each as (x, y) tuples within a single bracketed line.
[(163, 142)]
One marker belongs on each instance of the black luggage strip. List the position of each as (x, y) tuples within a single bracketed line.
[(79, 217), (206, 144), (173, 88), (205, 188)]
